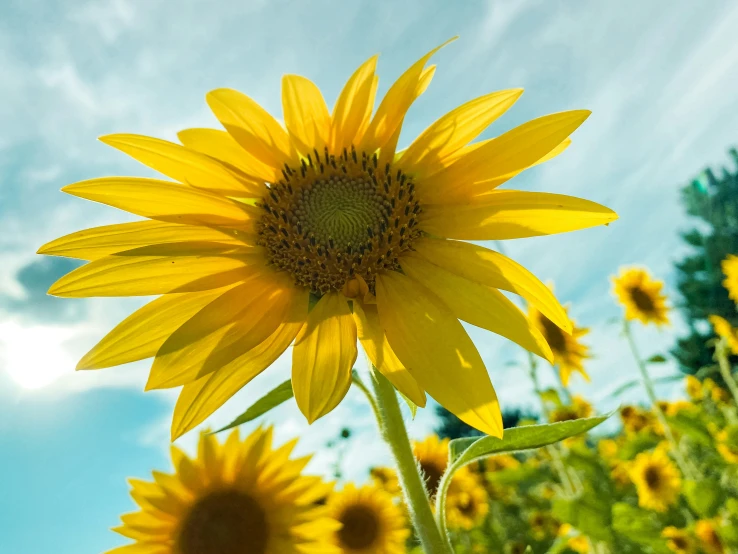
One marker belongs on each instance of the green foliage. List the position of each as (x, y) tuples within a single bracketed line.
[(270, 400), (704, 496), (639, 526)]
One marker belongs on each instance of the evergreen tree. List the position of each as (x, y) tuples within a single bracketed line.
[(699, 276)]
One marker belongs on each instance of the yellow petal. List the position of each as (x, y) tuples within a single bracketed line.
[(395, 104), (180, 163), (251, 126), (305, 114), (153, 275), (509, 153), (486, 267), (141, 548), (477, 304), (224, 148), (141, 334), (381, 355), (433, 345), (223, 330), (353, 107), (512, 214), (323, 357), (98, 242), (200, 399), (430, 151), (164, 201)]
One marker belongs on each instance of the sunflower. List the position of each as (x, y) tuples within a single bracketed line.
[(725, 330), (656, 479), (641, 296), (466, 501), (678, 540), (693, 387), (233, 494), (730, 269), (321, 233), (568, 352), (386, 479), (637, 419), (432, 456), (717, 393), (727, 444), (578, 409), (708, 536), (543, 525), (371, 522)]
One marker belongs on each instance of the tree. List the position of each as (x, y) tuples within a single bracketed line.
[(452, 427), (699, 275)]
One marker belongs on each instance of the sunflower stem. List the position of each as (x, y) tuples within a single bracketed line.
[(648, 385), (393, 431), (721, 353)]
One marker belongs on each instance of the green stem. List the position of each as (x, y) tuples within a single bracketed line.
[(393, 430), (687, 470), (721, 353)]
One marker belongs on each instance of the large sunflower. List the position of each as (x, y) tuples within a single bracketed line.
[(236, 495), (371, 522), (641, 296), (322, 232), (730, 270), (657, 480)]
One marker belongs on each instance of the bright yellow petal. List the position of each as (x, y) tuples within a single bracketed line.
[(98, 242), (164, 201), (305, 114), (477, 304), (180, 163), (430, 151), (141, 334), (395, 104), (323, 357), (141, 548), (381, 355), (200, 399), (511, 152), (153, 275), (353, 107), (224, 148), (490, 268), (251, 126), (433, 345), (512, 214), (223, 330)]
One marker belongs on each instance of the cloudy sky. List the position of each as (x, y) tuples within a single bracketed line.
[(660, 78)]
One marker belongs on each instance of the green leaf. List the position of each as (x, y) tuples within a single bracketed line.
[(704, 496), (589, 514), (410, 404), (640, 526), (551, 395), (691, 426), (656, 359), (270, 400), (465, 450)]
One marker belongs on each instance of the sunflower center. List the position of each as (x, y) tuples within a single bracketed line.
[(466, 505), (337, 217), (680, 543), (433, 475), (642, 300), (554, 336), (360, 527), (224, 522), (652, 476)]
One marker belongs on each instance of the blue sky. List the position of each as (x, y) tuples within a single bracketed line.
[(659, 77)]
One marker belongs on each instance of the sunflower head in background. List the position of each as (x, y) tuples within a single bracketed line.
[(641, 296), (657, 480), (232, 494), (386, 479), (693, 386), (466, 501), (371, 521), (730, 269), (679, 540), (727, 443), (726, 331), (578, 409), (432, 456), (321, 232), (708, 536)]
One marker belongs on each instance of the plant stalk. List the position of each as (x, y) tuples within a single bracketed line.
[(721, 353)]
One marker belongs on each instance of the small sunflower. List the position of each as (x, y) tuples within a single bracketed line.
[(371, 522), (641, 296), (543, 525), (727, 444), (730, 270), (656, 479), (678, 540), (708, 537), (432, 456), (693, 387), (466, 501), (386, 479), (320, 233), (725, 330), (568, 351), (717, 393), (578, 409), (637, 419), (233, 494)]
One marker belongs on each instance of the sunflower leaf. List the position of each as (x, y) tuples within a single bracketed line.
[(465, 450), (270, 400), (656, 359)]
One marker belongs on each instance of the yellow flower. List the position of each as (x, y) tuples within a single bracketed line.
[(716, 392), (708, 536), (500, 462), (371, 522), (727, 444), (568, 352), (432, 456), (636, 419), (726, 331), (656, 479), (730, 269), (579, 544), (608, 449), (641, 296), (693, 387), (235, 493), (673, 408), (322, 232), (543, 525), (466, 501), (678, 540), (386, 479), (578, 409)]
